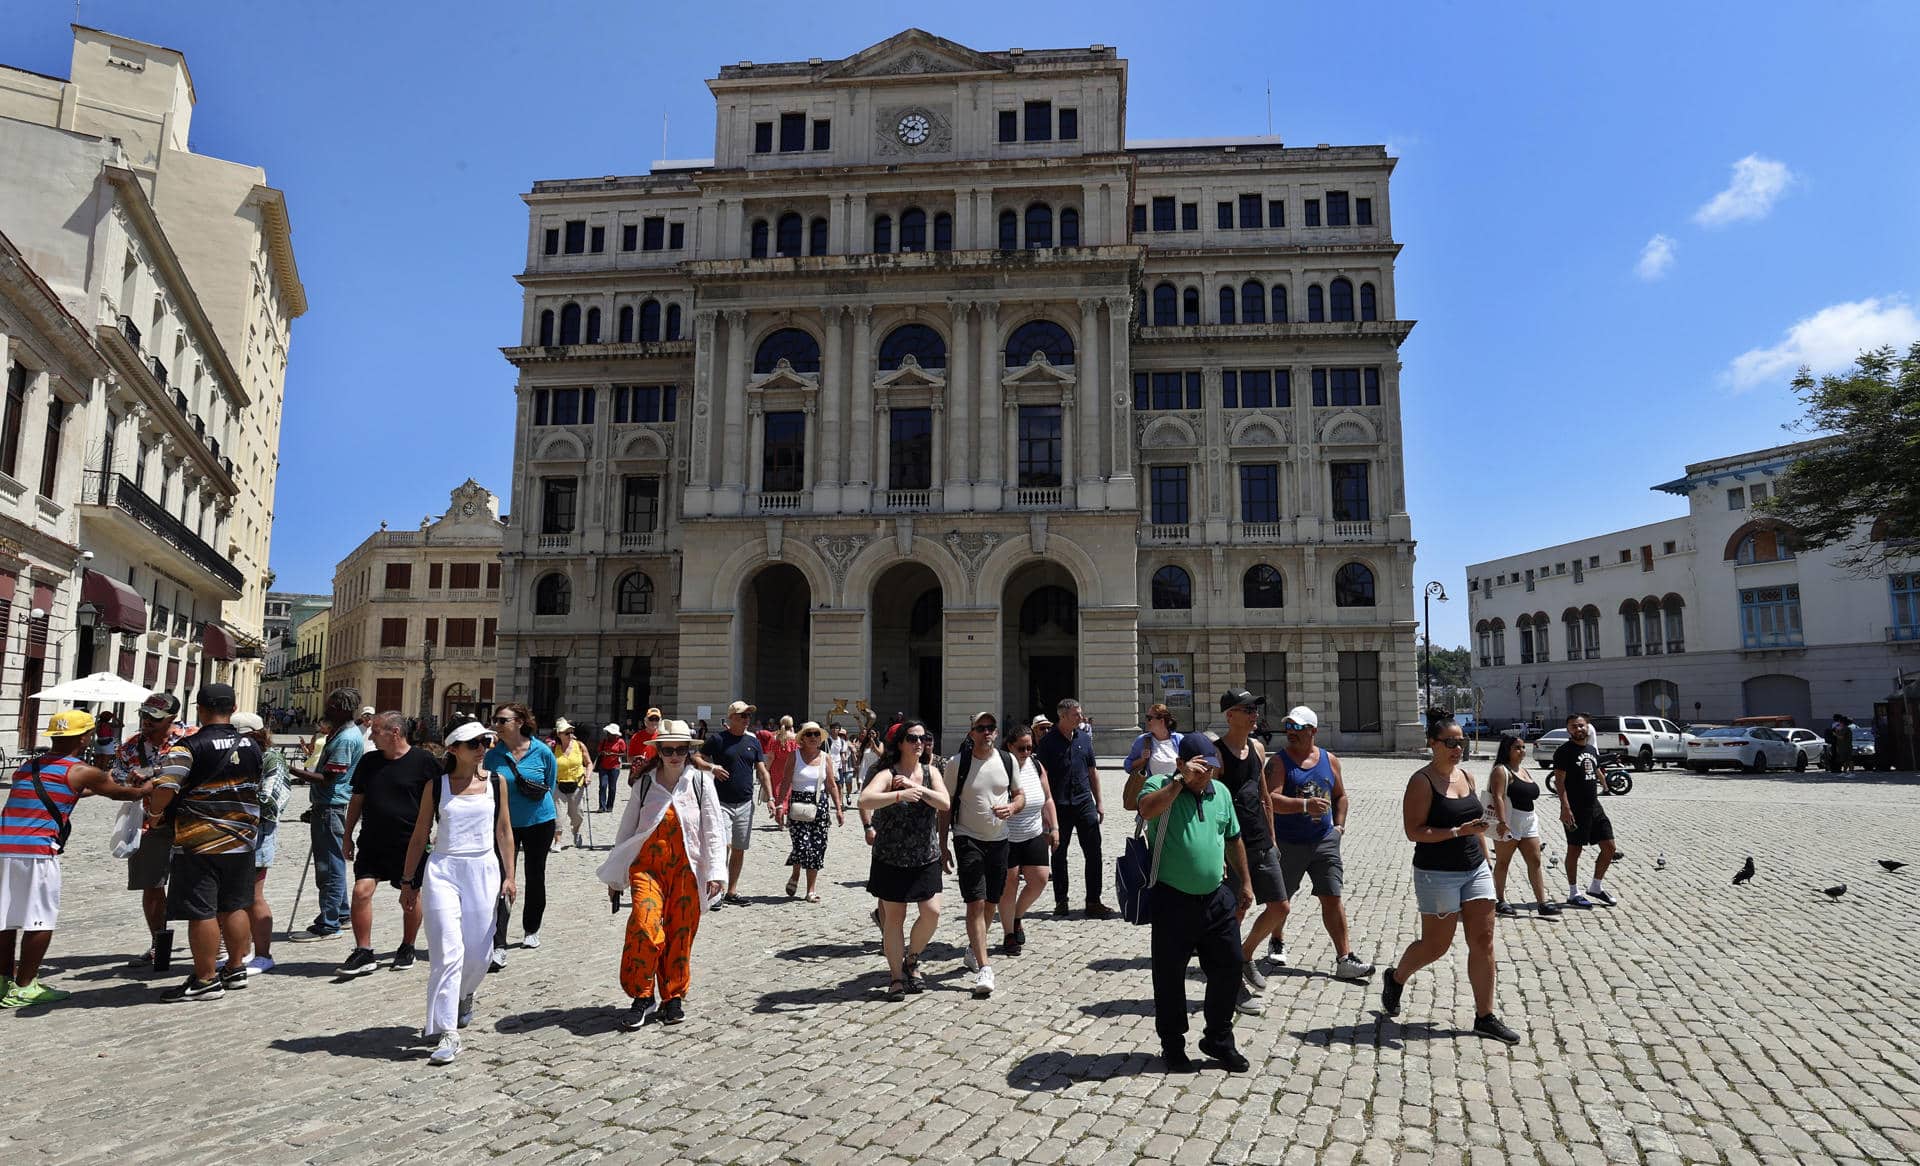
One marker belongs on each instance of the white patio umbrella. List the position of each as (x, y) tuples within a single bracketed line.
[(101, 687)]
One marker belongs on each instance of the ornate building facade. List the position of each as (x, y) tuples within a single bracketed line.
[(931, 389)]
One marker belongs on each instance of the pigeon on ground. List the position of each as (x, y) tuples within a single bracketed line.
[(1834, 893), (1746, 873), (1891, 864), (1660, 863)]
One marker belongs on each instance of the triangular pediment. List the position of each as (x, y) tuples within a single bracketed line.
[(911, 376), (914, 51), (1038, 372), (783, 377)]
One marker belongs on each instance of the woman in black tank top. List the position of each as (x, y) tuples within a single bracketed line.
[(1444, 819), (1515, 825)]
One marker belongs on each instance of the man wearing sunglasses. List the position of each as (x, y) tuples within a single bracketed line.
[(738, 749), (1309, 817)]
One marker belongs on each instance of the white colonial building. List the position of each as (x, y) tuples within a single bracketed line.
[(931, 389), (1708, 616)]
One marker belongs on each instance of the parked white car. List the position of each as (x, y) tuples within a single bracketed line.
[(1749, 747), (1810, 748), (1546, 745), (1643, 741)]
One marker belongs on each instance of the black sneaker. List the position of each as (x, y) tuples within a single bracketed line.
[(404, 958), (1020, 930), (1011, 945), (195, 990), (359, 963), (1224, 1052), (1505, 908), (1390, 990), (313, 934), (1491, 1025), (672, 1011), (233, 978), (636, 1017), (1060, 907), (1550, 909), (1177, 1060)]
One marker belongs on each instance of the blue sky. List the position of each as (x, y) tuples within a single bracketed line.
[(1565, 359)]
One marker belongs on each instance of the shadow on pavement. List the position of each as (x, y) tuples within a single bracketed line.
[(866, 986), (1382, 1033), (1122, 1008), (388, 1042), (120, 996), (1054, 1071), (810, 952), (590, 1020), (1114, 964)]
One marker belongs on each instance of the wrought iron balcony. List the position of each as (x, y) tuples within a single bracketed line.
[(119, 492), (131, 331), (160, 373)]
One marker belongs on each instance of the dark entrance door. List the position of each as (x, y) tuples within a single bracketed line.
[(632, 689), (929, 693), (32, 679), (1050, 680)]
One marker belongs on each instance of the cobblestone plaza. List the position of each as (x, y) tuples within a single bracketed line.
[(1693, 1023)]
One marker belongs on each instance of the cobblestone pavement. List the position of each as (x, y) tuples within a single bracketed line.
[(1695, 1022)]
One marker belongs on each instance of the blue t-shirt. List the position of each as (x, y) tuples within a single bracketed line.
[(536, 768), (739, 755), (1068, 764), (341, 754)]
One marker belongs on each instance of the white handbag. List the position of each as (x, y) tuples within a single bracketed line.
[(803, 811)]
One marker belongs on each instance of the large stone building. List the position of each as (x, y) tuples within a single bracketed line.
[(1708, 616), (930, 388), (285, 612), (416, 613), (182, 265), (307, 666)]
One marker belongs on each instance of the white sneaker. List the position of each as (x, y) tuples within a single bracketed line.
[(1249, 1004), (531, 940), (983, 984), (448, 1049), (260, 963), (1277, 953), (466, 1011), (497, 960), (971, 964)]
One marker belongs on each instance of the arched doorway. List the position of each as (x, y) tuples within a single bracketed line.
[(908, 609), (1769, 696), (460, 704), (775, 617), (1586, 698), (1041, 665)]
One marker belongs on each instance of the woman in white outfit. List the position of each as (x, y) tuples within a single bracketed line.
[(1031, 835), (1514, 795), (465, 814), (815, 783)]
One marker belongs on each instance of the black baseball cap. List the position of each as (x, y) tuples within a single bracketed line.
[(1194, 745), (1233, 698), (215, 698)]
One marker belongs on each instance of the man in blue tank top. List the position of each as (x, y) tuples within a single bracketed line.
[(1309, 816)]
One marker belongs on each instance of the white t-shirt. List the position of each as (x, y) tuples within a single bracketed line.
[(1027, 823), (988, 785), (1163, 757), (808, 778)]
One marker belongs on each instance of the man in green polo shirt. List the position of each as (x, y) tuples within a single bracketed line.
[(1202, 880)]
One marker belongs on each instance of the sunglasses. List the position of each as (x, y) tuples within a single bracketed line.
[(917, 737), (1296, 727), (1021, 749), (814, 736), (986, 728), (675, 750), (478, 742), (503, 720), (1454, 742), (651, 720)]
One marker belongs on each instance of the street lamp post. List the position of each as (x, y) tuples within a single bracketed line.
[(1433, 589)]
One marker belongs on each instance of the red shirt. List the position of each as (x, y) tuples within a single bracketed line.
[(638, 750), (613, 751)]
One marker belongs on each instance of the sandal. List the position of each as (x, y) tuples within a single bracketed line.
[(813, 896), (910, 967), (792, 886), (896, 990)]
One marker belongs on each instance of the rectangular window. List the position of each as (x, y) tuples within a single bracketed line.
[(1360, 692), (1313, 212), (464, 576), (493, 576), (910, 450), (435, 572), (1350, 501), (644, 403), (1363, 212), (599, 240), (389, 692), (1163, 213), (433, 631), (1770, 617), (1069, 125), (562, 406), (16, 413), (1169, 495), (1256, 388), (551, 244), (1169, 391), (1260, 493), (763, 137), (1139, 218), (393, 633), (559, 497), (822, 134), (399, 577), (1737, 498), (50, 448), (676, 236), (1666, 548), (1905, 590), (639, 503), (653, 238), (489, 635), (783, 461), (1250, 208), (793, 132), (1009, 125), (486, 683), (629, 237), (1371, 378), (1189, 216), (546, 684), (1337, 208), (576, 236), (1319, 386), (462, 633), (1039, 121), (1276, 213), (1223, 216), (1040, 445), (1344, 386), (1757, 493), (1267, 675)]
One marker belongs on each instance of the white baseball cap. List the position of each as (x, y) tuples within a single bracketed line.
[(1302, 715), (467, 731), (248, 722)]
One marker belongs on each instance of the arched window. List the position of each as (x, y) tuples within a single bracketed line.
[(1542, 641), (1253, 303), (1369, 304), (943, 232), (546, 327), (1353, 586), (817, 237), (649, 321), (883, 234), (1226, 305), (1524, 625), (1279, 303), (1190, 306), (1069, 227), (1341, 293), (1590, 623), (758, 247), (593, 325), (673, 321), (1166, 305), (1674, 606), (1570, 620), (1009, 231), (570, 324), (1039, 226), (1499, 642), (1172, 589), (553, 595), (913, 229), (626, 324), (1316, 305), (796, 347), (634, 596), (1039, 336), (1483, 631), (787, 234), (922, 341), (1650, 619), (1262, 586), (1630, 625), (1049, 605)]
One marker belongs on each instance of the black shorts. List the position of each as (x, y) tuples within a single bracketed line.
[(903, 884), (1033, 852), (381, 863), (202, 886), (1591, 826), (981, 868), (1269, 881), (147, 867)]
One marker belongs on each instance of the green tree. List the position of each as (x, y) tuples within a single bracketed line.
[(1452, 667), (1859, 490)]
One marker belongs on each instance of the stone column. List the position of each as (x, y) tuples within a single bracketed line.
[(959, 414), (810, 443), (756, 446), (1090, 391), (839, 660), (733, 474), (859, 234), (963, 236), (832, 442), (960, 377), (941, 423), (993, 426), (883, 449), (1121, 487), (704, 355), (837, 225), (859, 462)]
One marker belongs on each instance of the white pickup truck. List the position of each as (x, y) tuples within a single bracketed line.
[(1642, 741)]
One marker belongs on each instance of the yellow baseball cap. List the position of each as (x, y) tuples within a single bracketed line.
[(70, 723)]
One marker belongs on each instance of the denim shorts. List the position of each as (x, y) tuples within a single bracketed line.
[(1440, 892), (268, 843)]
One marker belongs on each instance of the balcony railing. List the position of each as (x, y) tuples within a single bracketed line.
[(1760, 641), (159, 371), (131, 331), (1903, 633), (179, 398), (1352, 531), (1037, 496), (1260, 532), (639, 540), (118, 491), (781, 502), (1168, 532), (556, 542), (907, 500)]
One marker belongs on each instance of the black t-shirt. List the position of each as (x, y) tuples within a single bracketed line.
[(391, 790), (1581, 765), (1068, 764), (739, 755), (1241, 776)]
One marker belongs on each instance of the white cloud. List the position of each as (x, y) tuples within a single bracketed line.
[(1828, 341), (1757, 184), (1656, 258)]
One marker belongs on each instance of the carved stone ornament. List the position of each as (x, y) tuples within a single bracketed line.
[(840, 550), (972, 549), (918, 61)]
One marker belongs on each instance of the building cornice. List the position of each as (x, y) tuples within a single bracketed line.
[(125, 362), (1394, 331), (1129, 257), (1222, 256), (25, 288), (273, 213), (533, 355)]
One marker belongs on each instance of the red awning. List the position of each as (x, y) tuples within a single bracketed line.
[(120, 606), (216, 641)]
